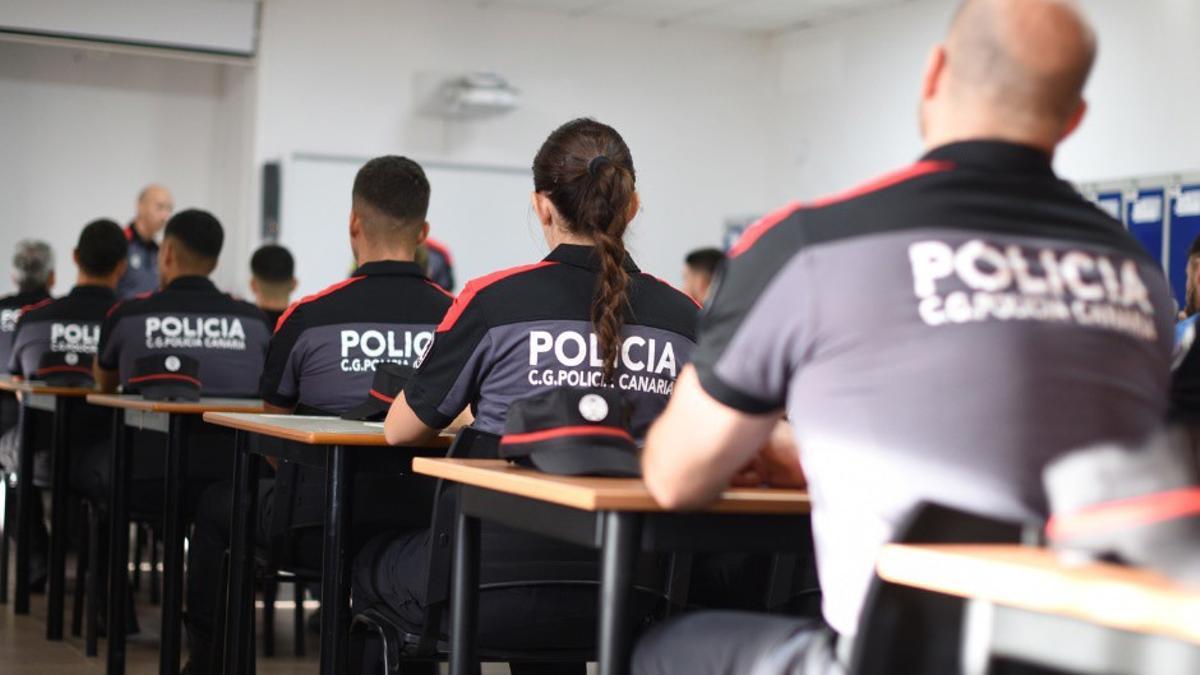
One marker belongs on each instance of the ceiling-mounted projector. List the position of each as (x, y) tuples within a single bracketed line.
[(477, 95)]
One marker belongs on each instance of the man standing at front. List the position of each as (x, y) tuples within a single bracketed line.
[(154, 206), (998, 320)]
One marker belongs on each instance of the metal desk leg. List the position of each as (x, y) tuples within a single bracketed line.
[(239, 595), (622, 541), (25, 497), (464, 597), (58, 519), (118, 544), (335, 573), (173, 520)]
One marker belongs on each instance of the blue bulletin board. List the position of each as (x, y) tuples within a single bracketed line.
[(1144, 216), (1185, 227), (1111, 203)]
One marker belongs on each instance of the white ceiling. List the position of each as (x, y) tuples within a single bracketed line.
[(742, 15)]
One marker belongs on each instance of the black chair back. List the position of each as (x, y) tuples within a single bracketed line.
[(906, 630)]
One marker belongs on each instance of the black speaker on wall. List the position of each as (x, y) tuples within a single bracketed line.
[(272, 187)]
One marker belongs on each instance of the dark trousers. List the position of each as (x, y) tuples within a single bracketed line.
[(737, 643)]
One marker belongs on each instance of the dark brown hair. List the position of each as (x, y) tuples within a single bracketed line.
[(586, 170)]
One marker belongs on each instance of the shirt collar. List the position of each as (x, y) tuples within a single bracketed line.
[(390, 267), (191, 283), (994, 156), (93, 292), (131, 234), (578, 255)]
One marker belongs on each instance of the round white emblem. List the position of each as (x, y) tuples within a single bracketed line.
[(135, 261), (71, 358), (593, 407), (172, 363)]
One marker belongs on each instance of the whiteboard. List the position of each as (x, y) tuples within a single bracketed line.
[(481, 213)]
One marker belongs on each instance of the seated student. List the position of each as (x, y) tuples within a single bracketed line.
[(1021, 323), (321, 361), (188, 317), (583, 316), (272, 280), (68, 325), (699, 267), (439, 264), (1185, 330), (33, 274)]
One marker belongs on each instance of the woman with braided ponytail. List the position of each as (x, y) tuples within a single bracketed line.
[(585, 316)]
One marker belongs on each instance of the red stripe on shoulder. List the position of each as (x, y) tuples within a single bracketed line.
[(671, 286), (476, 285), (443, 291), (315, 296), (440, 248), (36, 305), (129, 232), (139, 296), (887, 180), (758, 229)]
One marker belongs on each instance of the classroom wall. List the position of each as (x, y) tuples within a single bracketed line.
[(689, 102), (82, 131), (848, 95)]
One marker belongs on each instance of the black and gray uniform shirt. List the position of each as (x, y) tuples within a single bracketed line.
[(190, 317), (322, 358), (938, 335), (70, 324), (141, 273), (11, 307), (516, 332)]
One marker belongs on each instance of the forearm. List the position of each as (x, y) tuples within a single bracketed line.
[(698, 445), (403, 427), (106, 380)]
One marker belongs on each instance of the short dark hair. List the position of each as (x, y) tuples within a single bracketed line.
[(273, 263), (102, 246), (199, 233), (705, 260), (396, 189)]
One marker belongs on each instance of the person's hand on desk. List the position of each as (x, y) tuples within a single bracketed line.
[(699, 446), (777, 464)]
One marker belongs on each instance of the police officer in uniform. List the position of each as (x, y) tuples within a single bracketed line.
[(272, 280), (321, 361), (583, 316), (70, 326), (189, 317), (998, 321), (154, 206), (33, 273)]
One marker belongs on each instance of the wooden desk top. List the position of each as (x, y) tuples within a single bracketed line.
[(206, 404), (311, 430), (44, 389), (1038, 580), (598, 494)]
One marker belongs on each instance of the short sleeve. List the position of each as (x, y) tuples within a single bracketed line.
[(757, 324), (280, 381), (449, 374)]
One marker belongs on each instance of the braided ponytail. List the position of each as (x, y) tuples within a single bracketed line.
[(587, 171)]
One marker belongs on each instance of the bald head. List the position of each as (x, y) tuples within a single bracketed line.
[(1019, 65), (154, 207)]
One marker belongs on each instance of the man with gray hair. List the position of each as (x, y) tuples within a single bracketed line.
[(154, 207), (33, 275)]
